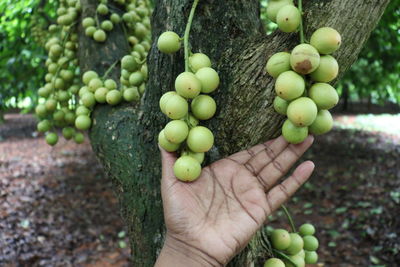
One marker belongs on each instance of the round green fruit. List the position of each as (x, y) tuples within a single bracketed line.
[(200, 139), (88, 99), (89, 31), (304, 59), (41, 110), (51, 139), (274, 262), (307, 229), (208, 78), (296, 244), (58, 115), (176, 131), (88, 21), (198, 61), (280, 105), (51, 105), (100, 94), (102, 9), (324, 95), (99, 35), (289, 85), (94, 84), (203, 107), (278, 63), (136, 78), (68, 132), (288, 18), (294, 134), (176, 107), (169, 42), (187, 85), (69, 117), (83, 122), (197, 156), (165, 144), (311, 257), (326, 40), (43, 126), (274, 7), (310, 243), (322, 124), (82, 110), (302, 111), (110, 84), (79, 138), (164, 98), (129, 63), (107, 25), (131, 94), (327, 70), (113, 97), (280, 239), (187, 169), (88, 76)]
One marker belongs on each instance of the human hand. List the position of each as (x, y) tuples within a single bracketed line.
[(211, 219)]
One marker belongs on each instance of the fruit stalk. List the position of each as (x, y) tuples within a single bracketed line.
[(284, 256), (302, 40), (286, 211), (187, 34)]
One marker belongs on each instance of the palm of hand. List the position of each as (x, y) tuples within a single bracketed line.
[(219, 213)]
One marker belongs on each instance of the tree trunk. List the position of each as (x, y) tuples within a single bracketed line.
[(232, 35)]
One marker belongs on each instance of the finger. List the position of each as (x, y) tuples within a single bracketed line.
[(167, 160), (280, 165), (266, 155), (282, 192), (244, 155)]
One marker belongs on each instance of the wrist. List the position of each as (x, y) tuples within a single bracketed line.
[(178, 253)]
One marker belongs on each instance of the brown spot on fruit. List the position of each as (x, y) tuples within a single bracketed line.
[(304, 66)]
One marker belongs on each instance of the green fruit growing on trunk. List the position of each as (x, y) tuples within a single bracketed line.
[(296, 244), (294, 134), (165, 144), (131, 94), (113, 97), (208, 78), (187, 85), (278, 63), (198, 61), (43, 126), (88, 99), (82, 110), (326, 40), (304, 59), (88, 76), (274, 262), (200, 139), (129, 63), (327, 70), (100, 95), (324, 95), (176, 131), (280, 239), (41, 110), (280, 105), (274, 7), (110, 84), (79, 138), (68, 132), (203, 107), (310, 243), (302, 111), (289, 85), (164, 98), (83, 122), (58, 115), (107, 25), (322, 124), (288, 18), (136, 78), (176, 107), (51, 105), (94, 84), (99, 36), (69, 118), (169, 42), (311, 257), (187, 169), (51, 139)]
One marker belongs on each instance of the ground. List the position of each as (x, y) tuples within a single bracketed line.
[(57, 208)]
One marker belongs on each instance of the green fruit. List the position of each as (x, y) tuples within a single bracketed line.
[(294, 134), (280, 239), (63, 96), (288, 18), (83, 122), (324, 95), (89, 31), (110, 84), (274, 262), (51, 105), (58, 115), (51, 138), (326, 40), (280, 105), (289, 85), (113, 97), (88, 21), (169, 42), (88, 76), (99, 35), (68, 132), (208, 78), (311, 257), (102, 9), (94, 84), (203, 107), (115, 18), (187, 169), (197, 156), (176, 107), (88, 99), (200, 139), (274, 7), (69, 117), (307, 229), (164, 98), (41, 110), (131, 94), (43, 126), (100, 95), (129, 63), (304, 59), (44, 92), (310, 243), (327, 70), (299, 261), (82, 110), (296, 244), (140, 30), (107, 25), (198, 61), (278, 63), (176, 131), (79, 138), (136, 78), (165, 144), (322, 124), (302, 111), (187, 85)]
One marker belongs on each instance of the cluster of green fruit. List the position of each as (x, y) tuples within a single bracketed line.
[(293, 249), (285, 14), (191, 89), (64, 102), (305, 100)]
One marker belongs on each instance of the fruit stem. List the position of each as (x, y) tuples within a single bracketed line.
[(283, 255), (187, 33), (300, 3), (109, 69), (286, 211)]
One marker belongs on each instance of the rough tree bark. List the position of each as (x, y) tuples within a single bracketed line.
[(231, 33)]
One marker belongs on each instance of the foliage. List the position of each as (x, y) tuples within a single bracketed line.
[(23, 26)]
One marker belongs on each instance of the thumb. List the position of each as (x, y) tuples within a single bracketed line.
[(167, 160)]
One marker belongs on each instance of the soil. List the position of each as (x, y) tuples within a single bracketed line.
[(58, 209)]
